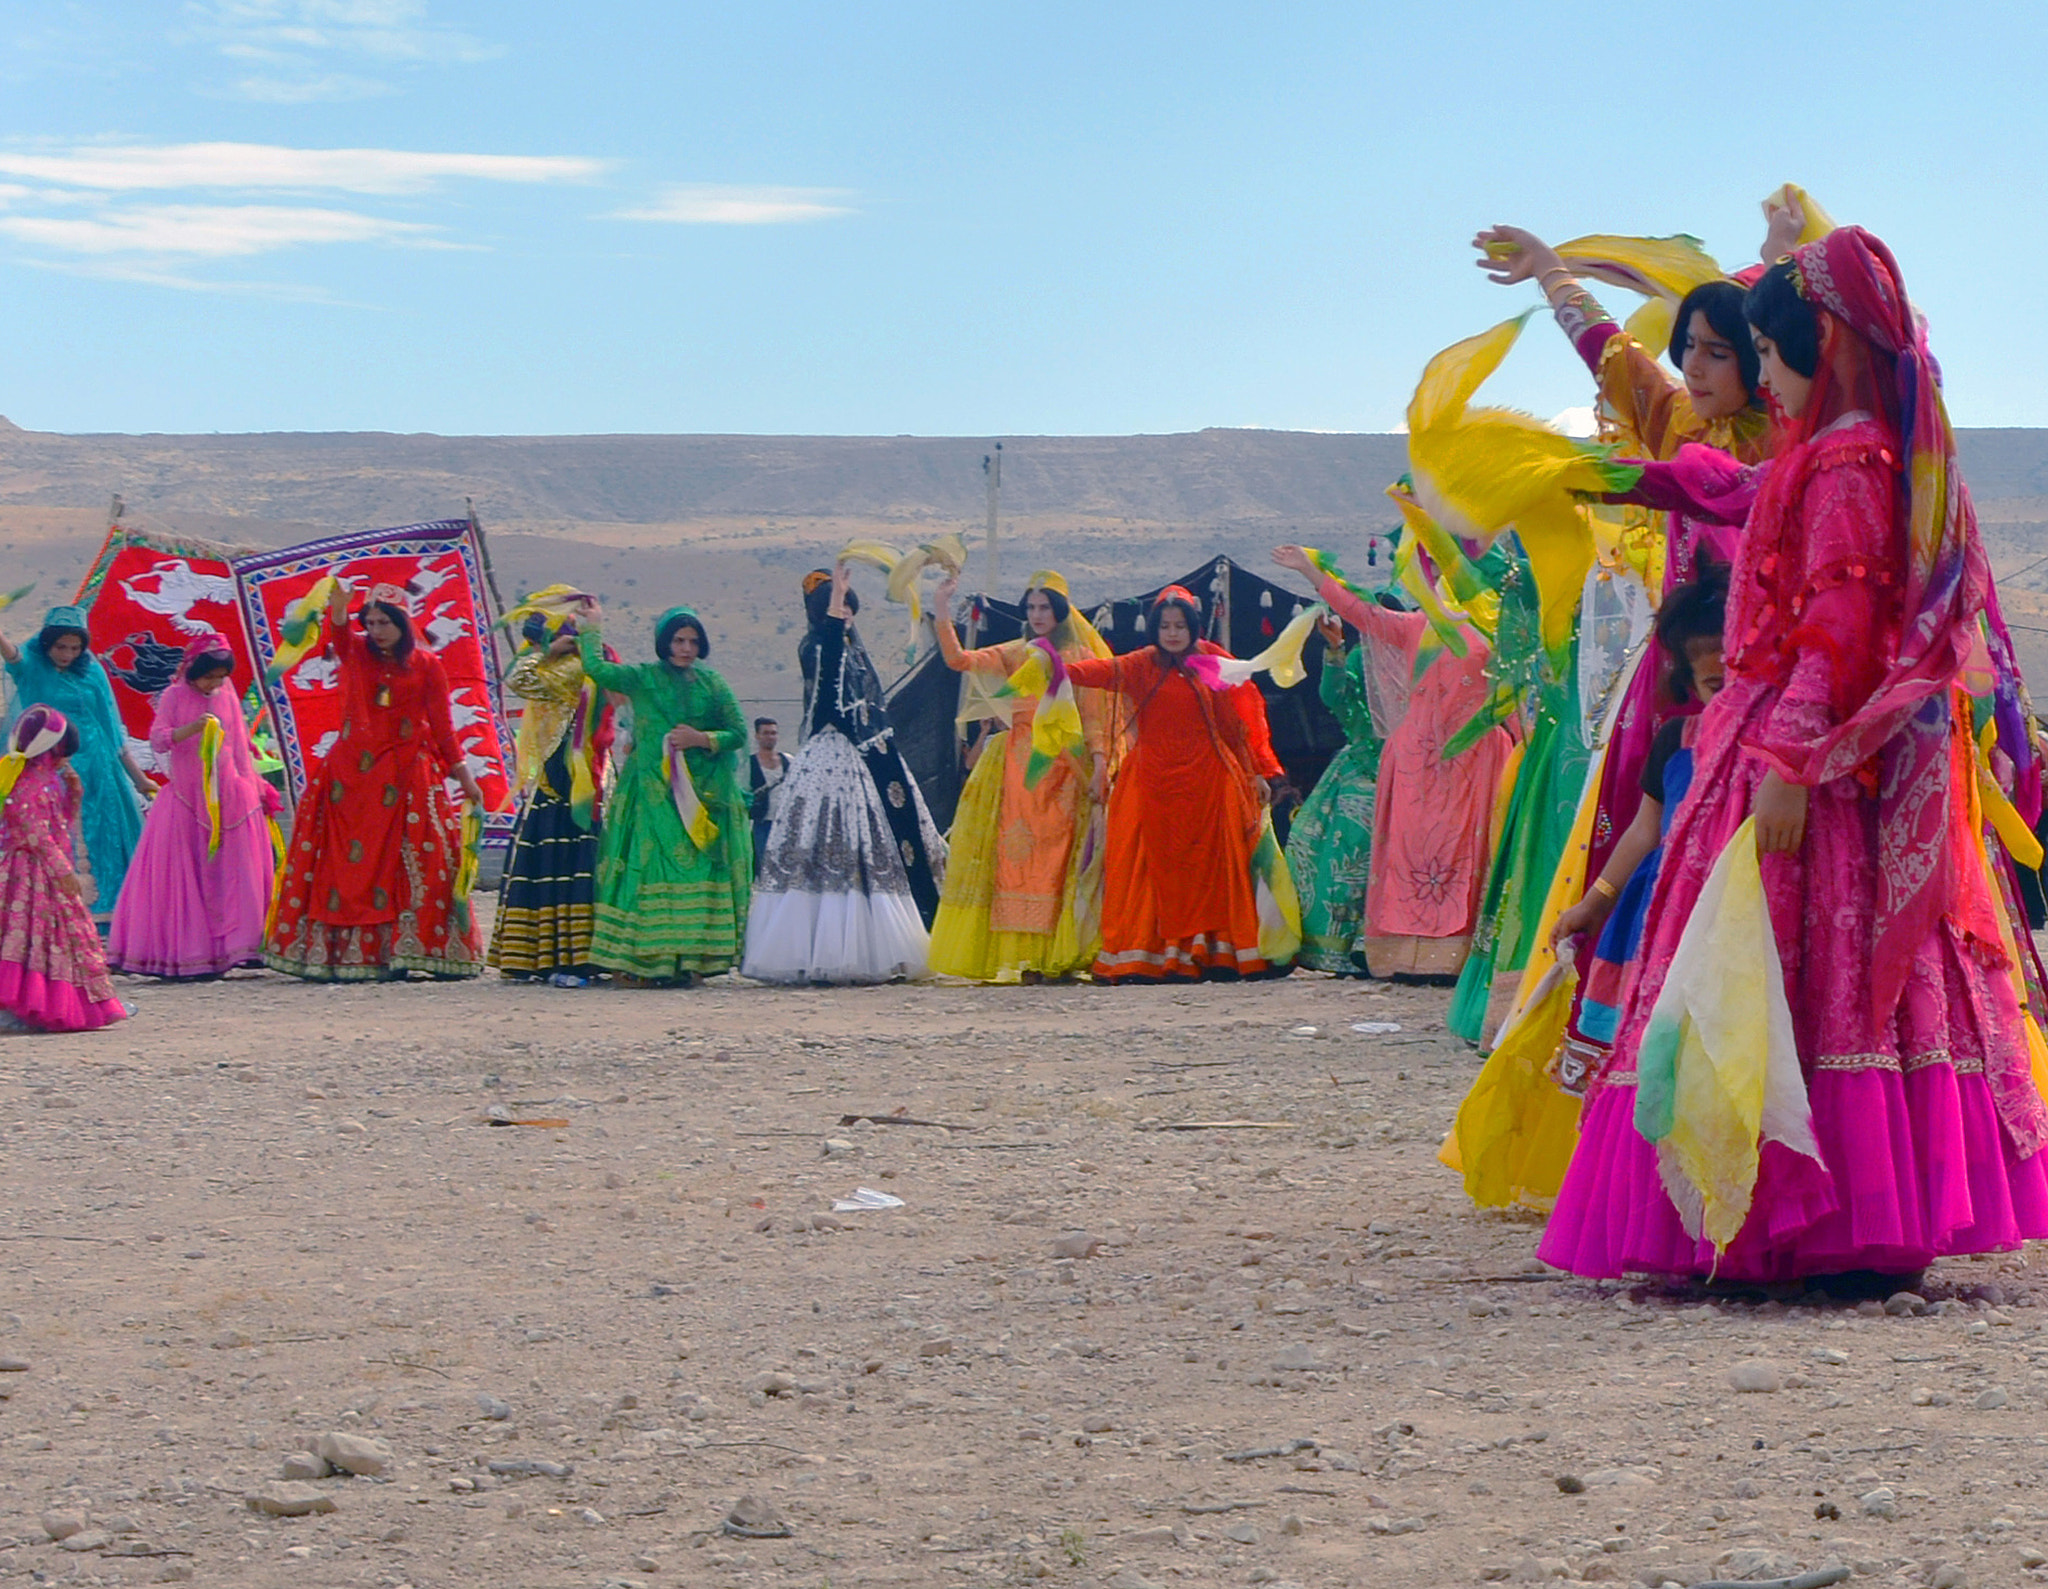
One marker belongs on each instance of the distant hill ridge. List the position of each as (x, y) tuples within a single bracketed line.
[(1219, 477)]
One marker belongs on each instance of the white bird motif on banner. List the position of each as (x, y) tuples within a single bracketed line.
[(317, 673), (180, 588), (445, 630)]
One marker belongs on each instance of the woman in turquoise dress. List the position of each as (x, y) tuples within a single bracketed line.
[(1329, 848), (57, 669), (672, 888)]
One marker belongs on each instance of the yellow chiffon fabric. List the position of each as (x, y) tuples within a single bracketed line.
[(965, 943), (989, 929)]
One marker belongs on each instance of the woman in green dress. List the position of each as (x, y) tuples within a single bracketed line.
[(675, 862), (1329, 848)]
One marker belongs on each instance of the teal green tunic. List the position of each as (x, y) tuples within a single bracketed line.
[(1329, 848), (665, 907), (110, 816)]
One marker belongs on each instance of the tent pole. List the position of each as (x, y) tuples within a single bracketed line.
[(992, 466)]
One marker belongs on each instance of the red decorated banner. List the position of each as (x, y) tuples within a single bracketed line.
[(148, 595), (440, 566)]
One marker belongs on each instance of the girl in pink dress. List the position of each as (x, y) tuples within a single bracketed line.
[(199, 886), (1859, 593), (1432, 833), (53, 975)]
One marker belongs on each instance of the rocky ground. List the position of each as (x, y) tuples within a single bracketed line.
[(1178, 1294)]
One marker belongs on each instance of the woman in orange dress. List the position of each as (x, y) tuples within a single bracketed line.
[(367, 890), (1186, 810), (1021, 902)]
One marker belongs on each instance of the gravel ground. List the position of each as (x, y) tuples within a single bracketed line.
[(1091, 1348)]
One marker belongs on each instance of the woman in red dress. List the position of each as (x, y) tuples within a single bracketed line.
[(367, 891), (1186, 811)]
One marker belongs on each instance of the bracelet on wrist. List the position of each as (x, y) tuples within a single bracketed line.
[(1605, 889)]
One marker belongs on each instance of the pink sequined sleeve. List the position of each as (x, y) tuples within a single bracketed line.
[(1842, 611)]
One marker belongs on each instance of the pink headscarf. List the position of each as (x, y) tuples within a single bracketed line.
[(1905, 723), (212, 643)]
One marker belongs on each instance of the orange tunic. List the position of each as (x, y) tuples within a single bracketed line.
[(1184, 822), (1035, 828)]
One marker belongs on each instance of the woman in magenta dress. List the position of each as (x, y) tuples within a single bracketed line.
[(53, 973), (1857, 596), (199, 885)]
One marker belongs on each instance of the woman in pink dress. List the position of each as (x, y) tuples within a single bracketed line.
[(199, 886), (1432, 835), (53, 974), (1858, 595)]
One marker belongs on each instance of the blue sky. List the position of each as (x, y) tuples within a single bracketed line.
[(444, 215)]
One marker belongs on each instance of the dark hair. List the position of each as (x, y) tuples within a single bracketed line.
[(1721, 302), (57, 631), (766, 722), (1693, 611), (1775, 308), (1187, 610), (1061, 607), (665, 635), (402, 652), (210, 662), (535, 630), (818, 602)]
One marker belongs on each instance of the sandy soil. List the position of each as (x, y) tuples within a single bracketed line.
[(260, 1213)]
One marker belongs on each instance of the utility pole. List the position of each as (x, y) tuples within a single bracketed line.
[(992, 466)]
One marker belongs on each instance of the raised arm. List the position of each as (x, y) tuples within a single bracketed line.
[(1000, 659), (1649, 400), (1342, 690), (1099, 673), (1367, 617), (605, 674), (1699, 481)]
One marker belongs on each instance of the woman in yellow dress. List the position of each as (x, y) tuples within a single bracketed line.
[(1023, 894)]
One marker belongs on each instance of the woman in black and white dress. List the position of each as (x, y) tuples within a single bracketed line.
[(849, 880)]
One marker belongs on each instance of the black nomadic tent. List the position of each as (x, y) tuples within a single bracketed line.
[(1240, 611)]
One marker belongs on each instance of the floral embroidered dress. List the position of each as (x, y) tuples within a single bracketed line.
[(1179, 894), (1928, 1122), (53, 974), (368, 883), (187, 912), (1433, 815), (666, 906), (1017, 856), (1329, 848)]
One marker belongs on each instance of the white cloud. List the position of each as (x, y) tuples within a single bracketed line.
[(133, 167), (297, 43), (395, 30), (716, 204), (329, 89), (211, 231), (1576, 422)]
